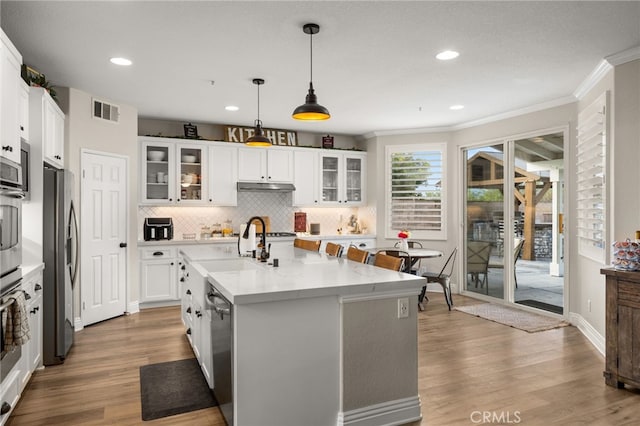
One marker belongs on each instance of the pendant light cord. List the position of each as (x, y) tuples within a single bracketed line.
[(311, 56), (258, 102)]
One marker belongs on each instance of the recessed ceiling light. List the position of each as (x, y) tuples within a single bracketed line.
[(231, 108), (456, 107), (121, 61), (447, 55)]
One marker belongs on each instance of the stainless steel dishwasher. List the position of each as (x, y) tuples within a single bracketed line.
[(222, 350)]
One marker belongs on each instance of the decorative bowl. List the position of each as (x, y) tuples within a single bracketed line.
[(188, 158), (155, 155)]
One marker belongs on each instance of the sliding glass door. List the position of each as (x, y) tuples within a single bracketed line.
[(513, 211)]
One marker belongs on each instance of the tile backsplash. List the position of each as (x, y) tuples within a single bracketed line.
[(189, 220)]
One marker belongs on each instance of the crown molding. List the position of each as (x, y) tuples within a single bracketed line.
[(624, 56), (592, 79)]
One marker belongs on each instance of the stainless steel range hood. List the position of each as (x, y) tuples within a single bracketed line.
[(265, 187)]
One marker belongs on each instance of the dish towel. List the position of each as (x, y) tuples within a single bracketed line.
[(15, 322)]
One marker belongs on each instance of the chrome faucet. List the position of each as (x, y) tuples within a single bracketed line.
[(264, 254)]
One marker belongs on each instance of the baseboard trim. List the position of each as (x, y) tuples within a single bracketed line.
[(77, 324), (596, 339), (134, 308), (149, 305), (398, 412)]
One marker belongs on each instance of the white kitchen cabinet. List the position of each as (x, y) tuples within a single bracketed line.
[(32, 350), (197, 319), (305, 177), (157, 172), (46, 122), (223, 175), (10, 62), (343, 177), (192, 173), (158, 275), (23, 114), (265, 165)]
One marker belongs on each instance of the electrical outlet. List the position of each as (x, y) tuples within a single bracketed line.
[(403, 307)]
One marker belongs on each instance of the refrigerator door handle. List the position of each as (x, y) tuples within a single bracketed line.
[(73, 227)]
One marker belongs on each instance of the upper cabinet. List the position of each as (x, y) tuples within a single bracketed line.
[(158, 173), (265, 165), (305, 177), (23, 111), (342, 177), (223, 172), (180, 172), (192, 166), (46, 121), (10, 62)]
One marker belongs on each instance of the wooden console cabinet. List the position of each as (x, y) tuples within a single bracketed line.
[(622, 364)]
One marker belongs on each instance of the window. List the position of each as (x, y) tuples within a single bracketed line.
[(591, 180), (415, 190)]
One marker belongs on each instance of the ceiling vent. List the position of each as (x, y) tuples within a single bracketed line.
[(105, 111)]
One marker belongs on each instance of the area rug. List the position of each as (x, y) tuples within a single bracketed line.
[(174, 387), (512, 317)]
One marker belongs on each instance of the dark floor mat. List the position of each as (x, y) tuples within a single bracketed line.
[(541, 305), (174, 387)]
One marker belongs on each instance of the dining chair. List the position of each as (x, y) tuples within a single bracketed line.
[(357, 255), (333, 249), (414, 268), (443, 278), (517, 249), (406, 257), (478, 262), (311, 245), (386, 261)]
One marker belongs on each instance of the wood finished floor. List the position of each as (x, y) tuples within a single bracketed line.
[(466, 365)]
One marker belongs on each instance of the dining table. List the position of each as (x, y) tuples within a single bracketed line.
[(415, 254)]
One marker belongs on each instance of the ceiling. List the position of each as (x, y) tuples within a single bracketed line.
[(374, 64)]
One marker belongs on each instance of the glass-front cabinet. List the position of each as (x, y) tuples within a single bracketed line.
[(343, 175), (158, 172), (191, 165)]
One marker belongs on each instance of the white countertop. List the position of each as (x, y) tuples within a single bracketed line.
[(227, 240), (301, 274)]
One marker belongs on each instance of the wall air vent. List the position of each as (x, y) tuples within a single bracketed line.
[(106, 111)]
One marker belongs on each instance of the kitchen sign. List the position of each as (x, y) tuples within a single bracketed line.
[(276, 136)]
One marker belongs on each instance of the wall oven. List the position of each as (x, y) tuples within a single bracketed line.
[(10, 223)]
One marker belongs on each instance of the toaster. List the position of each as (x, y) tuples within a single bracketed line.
[(158, 228)]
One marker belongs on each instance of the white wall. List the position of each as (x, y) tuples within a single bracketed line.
[(82, 131)]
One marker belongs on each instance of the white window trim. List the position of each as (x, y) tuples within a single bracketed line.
[(417, 235)]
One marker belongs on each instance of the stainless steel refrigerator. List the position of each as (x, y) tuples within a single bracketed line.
[(60, 255)]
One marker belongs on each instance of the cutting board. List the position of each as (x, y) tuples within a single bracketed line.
[(267, 223)]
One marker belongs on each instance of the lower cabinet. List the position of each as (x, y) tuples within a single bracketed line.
[(197, 318), (159, 275)]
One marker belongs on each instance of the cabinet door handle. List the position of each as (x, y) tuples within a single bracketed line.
[(37, 287), (182, 279), (123, 245), (157, 253), (189, 310), (183, 267), (21, 128), (188, 291), (198, 314), (171, 263), (188, 331)]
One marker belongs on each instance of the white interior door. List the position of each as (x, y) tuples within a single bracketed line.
[(104, 213)]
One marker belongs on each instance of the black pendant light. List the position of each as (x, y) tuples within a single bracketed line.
[(258, 138), (311, 110)]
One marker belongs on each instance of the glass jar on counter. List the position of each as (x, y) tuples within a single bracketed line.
[(227, 228), (216, 230), (205, 232)]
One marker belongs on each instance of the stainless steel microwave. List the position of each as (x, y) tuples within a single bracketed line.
[(10, 175)]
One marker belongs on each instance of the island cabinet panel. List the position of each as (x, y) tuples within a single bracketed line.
[(622, 364)]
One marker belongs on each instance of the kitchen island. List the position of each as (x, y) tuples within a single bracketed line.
[(317, 340)]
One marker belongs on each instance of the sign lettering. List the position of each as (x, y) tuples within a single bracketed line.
[(239, 134)]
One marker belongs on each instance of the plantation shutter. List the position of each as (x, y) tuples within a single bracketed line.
[(415, 192)]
